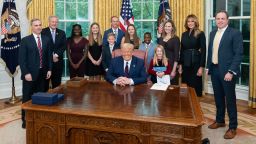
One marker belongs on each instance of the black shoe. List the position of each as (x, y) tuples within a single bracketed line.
[(23, 125), (205, 141)]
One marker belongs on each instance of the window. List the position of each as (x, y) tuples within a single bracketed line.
[(71, 12), (239, 12), (145, 14)]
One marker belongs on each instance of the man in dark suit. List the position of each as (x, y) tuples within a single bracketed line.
[(126, 69), (225, 52), (114, 29), (35, 60), (58, 40)]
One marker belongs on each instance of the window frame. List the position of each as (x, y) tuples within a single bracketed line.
[(141, 20), (65, 76)]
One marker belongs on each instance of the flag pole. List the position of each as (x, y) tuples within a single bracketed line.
[(14, 99)]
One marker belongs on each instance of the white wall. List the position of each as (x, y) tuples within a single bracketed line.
[(5, 80)]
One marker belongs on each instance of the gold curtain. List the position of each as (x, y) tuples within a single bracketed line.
[(181, 8), (41, 9), (104, 10), (252, 85)]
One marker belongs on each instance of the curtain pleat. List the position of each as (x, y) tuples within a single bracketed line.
[(252, 85), (41, 9), (104, 10), (181, 8)]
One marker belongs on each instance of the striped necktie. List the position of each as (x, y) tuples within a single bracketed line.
[(39, 46)]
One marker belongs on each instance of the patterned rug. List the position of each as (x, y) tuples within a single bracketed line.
[(10, 114), (245, 122)]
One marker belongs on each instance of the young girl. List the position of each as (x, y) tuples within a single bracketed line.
[(93, 62), (159, 65), (77, 52)]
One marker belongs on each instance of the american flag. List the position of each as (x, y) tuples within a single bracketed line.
[(126, 16), (10, 42), (4, 30), (6, 26), (164, 12)]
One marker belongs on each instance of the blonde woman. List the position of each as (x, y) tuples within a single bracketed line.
[(171, 43), (93, 62), (192, 54), (159, 65)]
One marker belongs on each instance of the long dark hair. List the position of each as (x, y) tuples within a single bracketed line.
[(99, 36), (173, 34), (135, 36), (197, 31)]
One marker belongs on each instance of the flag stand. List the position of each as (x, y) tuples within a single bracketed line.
[(14, 99)]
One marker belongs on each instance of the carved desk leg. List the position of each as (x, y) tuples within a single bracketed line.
[(30, 127)]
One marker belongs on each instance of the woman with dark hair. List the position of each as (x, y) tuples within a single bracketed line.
[(76, 51), (171, 43), (131, 37), (192, 54), (93, 61)]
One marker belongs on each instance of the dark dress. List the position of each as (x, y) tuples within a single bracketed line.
[(172, 49), (77, 51), (153, 73), (91, 69), (192, 57)]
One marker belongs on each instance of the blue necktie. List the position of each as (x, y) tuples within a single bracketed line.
[(53, 36)]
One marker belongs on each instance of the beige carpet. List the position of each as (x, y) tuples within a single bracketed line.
[(246, 132), (12, 133), (10, 114)]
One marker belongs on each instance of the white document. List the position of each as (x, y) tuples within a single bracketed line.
[(158, 86), (164, 79)]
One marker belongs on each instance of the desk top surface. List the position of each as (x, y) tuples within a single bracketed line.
[(102, 99)]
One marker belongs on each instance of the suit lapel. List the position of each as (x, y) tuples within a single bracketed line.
[(43, 43), (33, 41), (34, 44), (212, 39), (122, 65), (132, 66), (224, 36), (56, 36), (119, 35)]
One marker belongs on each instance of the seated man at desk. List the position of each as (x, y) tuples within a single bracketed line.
[(126, 69)]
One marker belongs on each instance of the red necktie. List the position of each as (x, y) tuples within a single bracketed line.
[(126, 70), (40, 51)]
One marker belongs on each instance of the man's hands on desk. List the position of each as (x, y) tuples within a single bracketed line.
[(122, 81)]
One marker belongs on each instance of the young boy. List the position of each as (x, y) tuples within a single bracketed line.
[(148, 46), (107, 51)]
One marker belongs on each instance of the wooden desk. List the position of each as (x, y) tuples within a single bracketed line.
[(100, 113)]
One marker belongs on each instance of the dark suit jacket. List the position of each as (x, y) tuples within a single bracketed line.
[(118, 39), (107, 56), (230, 52), (29, 59), (60, 41), (137, 70)]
